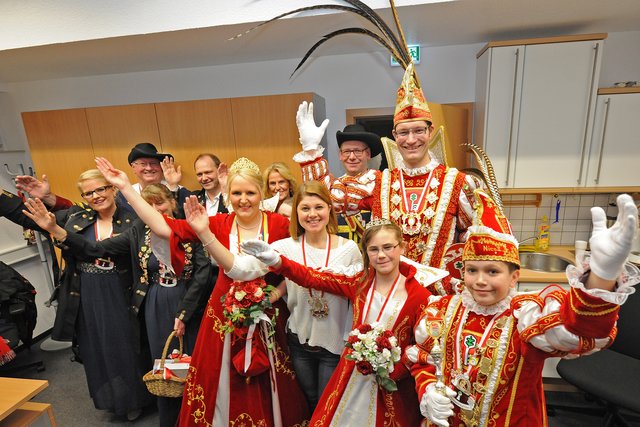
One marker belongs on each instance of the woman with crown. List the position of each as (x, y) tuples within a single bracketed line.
[(227, 365), (385, 295)]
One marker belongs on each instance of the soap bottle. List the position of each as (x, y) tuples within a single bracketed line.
[(542, 240)]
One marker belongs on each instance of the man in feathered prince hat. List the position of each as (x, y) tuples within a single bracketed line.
[(430, 202)]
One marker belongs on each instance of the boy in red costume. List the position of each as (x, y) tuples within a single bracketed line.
[(479, 355)]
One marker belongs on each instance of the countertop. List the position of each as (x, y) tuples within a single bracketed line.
[(531, 276)]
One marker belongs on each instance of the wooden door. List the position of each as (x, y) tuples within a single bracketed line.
[(265, 127), (116, 130), (60, 145), (190, 128)]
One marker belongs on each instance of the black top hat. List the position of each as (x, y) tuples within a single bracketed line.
[(146, 149), (358, 133)]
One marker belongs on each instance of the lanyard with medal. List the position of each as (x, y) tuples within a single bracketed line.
[(411, 223), (461, 381), (317, 303), (369, 300)]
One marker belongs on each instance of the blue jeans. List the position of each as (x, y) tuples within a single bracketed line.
[(314, 367)]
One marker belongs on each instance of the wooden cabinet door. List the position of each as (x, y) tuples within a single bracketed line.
[(60, 145), (116, 130), (557, 104), (190, 128), (265, 127), (613, 161)]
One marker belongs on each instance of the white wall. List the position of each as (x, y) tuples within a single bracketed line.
[(345, 81)]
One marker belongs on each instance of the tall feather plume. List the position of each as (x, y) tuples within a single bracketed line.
[(386, 37), (355, 30), (487, 171)]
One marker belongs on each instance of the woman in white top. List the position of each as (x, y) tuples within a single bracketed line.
[(319, 321)]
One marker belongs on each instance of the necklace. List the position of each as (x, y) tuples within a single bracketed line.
[(251, 227), (317, 303), (413, 207), (263, 233), (473, 362)]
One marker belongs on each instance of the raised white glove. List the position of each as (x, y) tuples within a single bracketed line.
[(310, 134), (437, 407), (261, 250), (610, 247)]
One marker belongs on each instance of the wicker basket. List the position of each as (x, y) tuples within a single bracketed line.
[(157, 385)]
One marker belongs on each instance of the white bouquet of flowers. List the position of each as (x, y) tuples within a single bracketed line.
[(375, 351)]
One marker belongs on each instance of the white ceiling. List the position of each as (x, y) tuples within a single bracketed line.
[(450, 23)]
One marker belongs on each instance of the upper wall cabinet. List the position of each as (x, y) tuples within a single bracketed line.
[(64, 143), (535, 100), (60, 145), (613, 157)]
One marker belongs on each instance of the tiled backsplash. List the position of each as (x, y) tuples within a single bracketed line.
[(574, 215)]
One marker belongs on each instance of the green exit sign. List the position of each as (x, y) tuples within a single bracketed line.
[(414, 51)]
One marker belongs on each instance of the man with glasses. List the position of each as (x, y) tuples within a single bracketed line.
[(431, 203), (151, 167), (356, 147)]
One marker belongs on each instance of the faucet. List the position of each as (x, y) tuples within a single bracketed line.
[(533, 238), (532, 246)]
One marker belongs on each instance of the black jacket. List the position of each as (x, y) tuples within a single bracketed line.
[(201, 194), (75, 220), (11, 207), (134, 242)]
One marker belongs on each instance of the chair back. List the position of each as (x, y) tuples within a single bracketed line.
[(627, 341)]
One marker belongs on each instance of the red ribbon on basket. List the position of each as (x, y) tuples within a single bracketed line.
[(168, 373)]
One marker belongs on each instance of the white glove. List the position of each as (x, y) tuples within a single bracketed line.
[(261, 250), (437, 407), (610, 247), (310, 134)]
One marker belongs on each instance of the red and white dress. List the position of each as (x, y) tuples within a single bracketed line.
[(215, 393), (351, 398)]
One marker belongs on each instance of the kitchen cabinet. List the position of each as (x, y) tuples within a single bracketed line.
[(64, 143), (613, 156), (535, 100)]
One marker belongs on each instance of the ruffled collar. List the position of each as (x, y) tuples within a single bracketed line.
[(486, 310), (422, 170)]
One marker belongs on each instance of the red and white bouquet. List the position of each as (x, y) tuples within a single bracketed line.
[(375, 351), (245, 304)]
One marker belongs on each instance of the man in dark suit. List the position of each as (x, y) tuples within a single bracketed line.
[(211, 175)]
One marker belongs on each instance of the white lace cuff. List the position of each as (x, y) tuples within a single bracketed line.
[(308, 156)]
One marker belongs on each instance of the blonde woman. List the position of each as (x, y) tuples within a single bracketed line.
[(94, 298), (278, 180)]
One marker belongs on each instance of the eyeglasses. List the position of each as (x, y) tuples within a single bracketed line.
[(375, 251), (151, 164), (416, 132), (100, 191), (354, 151)]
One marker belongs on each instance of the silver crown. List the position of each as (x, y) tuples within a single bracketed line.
[(376, 222)]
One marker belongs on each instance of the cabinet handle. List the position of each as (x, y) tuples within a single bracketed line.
[(604, 133), (513, 107), (596, 49)]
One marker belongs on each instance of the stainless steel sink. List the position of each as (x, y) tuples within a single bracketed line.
[(543, 262)]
